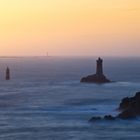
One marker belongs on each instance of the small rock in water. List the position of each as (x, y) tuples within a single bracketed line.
[(109, 117), (95, 119)]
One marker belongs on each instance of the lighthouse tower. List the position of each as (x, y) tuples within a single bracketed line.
[(7, 77), (99, 67)]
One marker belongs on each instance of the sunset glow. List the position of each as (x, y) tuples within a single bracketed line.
[(70, 27)]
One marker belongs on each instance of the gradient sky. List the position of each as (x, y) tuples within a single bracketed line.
[(70, 27)]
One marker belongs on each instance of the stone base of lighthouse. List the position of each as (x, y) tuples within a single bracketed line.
[(95, 79)]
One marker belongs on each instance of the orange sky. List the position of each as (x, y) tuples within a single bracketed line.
[(70, 27)]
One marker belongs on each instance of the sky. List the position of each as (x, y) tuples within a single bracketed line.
[(70, 27)]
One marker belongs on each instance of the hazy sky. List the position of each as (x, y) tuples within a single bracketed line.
[(70, 27)]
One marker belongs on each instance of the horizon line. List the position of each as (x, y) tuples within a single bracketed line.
[(37, 56)]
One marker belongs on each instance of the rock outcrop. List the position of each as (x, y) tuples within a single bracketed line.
[(95, 79), (99, 77), (129, 109)]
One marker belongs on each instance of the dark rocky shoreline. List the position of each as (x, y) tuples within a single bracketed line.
[(129, 109)]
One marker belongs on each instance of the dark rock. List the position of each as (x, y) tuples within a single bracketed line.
[(98, 118), (109, 117), (93, 119), (127, 114), (137, 96), (125, 103), (130, 107), (95, 79)]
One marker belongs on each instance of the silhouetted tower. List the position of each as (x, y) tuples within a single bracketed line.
[(99, 68), (7, 77)]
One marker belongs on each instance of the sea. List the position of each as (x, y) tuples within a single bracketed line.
[(44, 100)]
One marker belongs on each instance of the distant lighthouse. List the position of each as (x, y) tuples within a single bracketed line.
[(7, 77)]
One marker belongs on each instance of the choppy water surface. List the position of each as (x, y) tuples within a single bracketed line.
[(44, 100)]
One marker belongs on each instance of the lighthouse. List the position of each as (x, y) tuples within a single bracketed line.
[(7, 77), (99, 67), (99, 76)]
